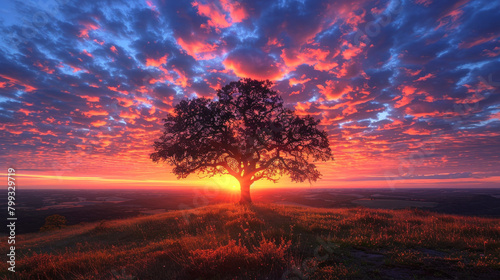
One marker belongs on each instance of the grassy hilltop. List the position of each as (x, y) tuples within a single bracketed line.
[(266, 241)]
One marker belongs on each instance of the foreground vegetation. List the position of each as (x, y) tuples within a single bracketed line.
[(229, 241)]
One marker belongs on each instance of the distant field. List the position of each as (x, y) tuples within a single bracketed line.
[(266, 241), (393, 203)]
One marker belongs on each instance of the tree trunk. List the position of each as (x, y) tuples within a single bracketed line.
[(245, 192)]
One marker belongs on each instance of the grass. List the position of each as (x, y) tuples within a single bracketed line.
[(230, 241)]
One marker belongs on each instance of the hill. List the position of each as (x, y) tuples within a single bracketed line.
[(266, 241)]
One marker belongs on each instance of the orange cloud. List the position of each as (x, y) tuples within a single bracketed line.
[(90, 98), (491, 53), (349, 68), (128, 115), (24, 111), (76, 69), (12, 81), (84, 33), (92, 113), (334, 90), (198, 49), (156, 62), (495, 116), (352, 50), (44, 68), (36, 131), (426, 77), (17, 132), (411, 72), (408, 91), (425, 113), (354, 125), (413, 131), (479, 41), (294, 81), (182, 80), (118, 90), (252, 65), (274, 42), (217, 18), (235, 10), (125, 102), (85, 52), (303, 109), (452, 15), (98, 123), (152, 6), (479, 87), (314, 57)]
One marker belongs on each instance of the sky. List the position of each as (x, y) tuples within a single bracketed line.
[(409, 91)]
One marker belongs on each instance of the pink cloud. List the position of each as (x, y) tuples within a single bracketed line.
[(217, 19), (198, 49), (334, 90), (156, 62), (253, 64)]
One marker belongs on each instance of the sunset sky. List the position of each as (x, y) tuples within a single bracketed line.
[(409, 91)]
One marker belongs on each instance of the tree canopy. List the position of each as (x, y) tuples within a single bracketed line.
[(246, 132)]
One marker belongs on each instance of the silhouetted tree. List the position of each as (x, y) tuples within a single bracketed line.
[(246, 132)]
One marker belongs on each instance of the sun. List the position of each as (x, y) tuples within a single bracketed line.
[(225, 182)]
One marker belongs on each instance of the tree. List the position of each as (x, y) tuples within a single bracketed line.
[(246, 132), (54, 222)]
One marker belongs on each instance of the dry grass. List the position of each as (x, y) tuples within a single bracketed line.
[(266, 242)]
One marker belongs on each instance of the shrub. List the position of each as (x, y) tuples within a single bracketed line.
[(54, 222)]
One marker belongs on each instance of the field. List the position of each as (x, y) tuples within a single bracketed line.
[(87, 206), (266, 241)]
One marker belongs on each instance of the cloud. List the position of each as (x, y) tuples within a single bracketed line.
[(254, 64), (334, 90), (105, 74)]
